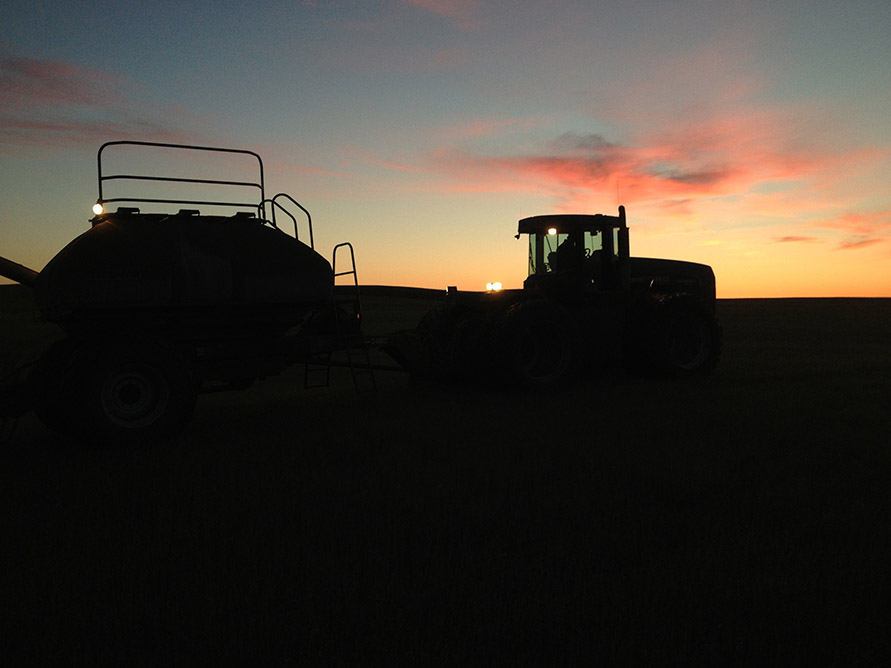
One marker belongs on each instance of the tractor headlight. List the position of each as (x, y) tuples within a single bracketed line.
[(98, 209)]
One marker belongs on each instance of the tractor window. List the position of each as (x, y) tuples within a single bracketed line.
[(541, 246), (543, 255), (593, 242), (553, 243)]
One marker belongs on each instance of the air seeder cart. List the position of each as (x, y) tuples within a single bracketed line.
[(160, 301)]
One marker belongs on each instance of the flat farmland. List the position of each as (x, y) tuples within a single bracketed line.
[(738, 519)]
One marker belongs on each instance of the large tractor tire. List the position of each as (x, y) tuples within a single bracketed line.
[(687, 338), (120, 394), (538, 343)]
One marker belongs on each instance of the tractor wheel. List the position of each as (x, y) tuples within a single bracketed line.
[(132, 393), (539, 343), (688, 339)]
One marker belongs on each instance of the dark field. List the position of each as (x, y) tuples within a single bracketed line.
[(741, 519)]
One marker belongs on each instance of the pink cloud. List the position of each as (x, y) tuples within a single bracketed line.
[(463, 13), (92, 133), (584, 163), (857, 242), (680, 207), (283, 167), (725, 156), (49, 103), (863, 224), (865, 229), (380, 56), (489, 127), (378, 42), (26, 81), (370, 158), (796, 239)]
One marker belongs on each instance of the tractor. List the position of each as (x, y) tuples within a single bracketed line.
[(586, 304)]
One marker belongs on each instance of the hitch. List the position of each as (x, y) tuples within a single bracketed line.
[(18, 272)]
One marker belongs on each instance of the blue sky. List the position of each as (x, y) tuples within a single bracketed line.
[(752, 136)]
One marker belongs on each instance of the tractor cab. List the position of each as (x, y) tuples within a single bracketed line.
[(577, 253)]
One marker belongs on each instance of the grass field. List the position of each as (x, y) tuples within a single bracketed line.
[(741, 519)]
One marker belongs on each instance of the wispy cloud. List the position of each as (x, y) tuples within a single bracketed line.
[(26, 81), (864, 224), (463, 13), (796, 239), (863, 229), (383, 38), (50, 103), (372, 159), (855, 243), (488, 127)]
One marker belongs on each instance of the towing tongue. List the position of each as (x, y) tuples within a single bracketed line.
[(17, 272)]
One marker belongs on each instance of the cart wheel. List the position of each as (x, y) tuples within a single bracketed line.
[(135, 392)]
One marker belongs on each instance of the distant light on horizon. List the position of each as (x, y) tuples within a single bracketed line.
[(493, 287)]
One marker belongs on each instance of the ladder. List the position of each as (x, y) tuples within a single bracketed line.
[(346, 311)]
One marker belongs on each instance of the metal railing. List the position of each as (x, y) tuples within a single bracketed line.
[(275, 205), (259, 185)]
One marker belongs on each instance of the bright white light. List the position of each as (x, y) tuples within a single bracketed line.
[(98, 209), (493, 287), (552, 231)]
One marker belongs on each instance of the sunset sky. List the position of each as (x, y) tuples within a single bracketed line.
[(754, 136)]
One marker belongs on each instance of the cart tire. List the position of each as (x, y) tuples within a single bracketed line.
[(132, 393)]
